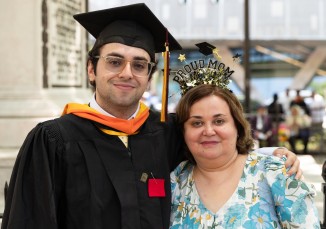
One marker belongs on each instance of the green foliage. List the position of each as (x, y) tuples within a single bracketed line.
[(319, 87)]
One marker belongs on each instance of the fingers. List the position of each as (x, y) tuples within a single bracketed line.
[(281, 151), (292, 162), (295, 169), (292, 159)]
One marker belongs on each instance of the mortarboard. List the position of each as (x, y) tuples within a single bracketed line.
[(205, 48), (133, 25)]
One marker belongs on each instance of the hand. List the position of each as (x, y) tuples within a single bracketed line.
[(291, 161)]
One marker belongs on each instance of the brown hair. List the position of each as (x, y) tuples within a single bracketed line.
[(92, 60), (245, 141)]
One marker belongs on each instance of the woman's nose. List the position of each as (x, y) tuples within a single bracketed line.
[(208, 130)]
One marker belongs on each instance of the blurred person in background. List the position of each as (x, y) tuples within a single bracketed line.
[(276, 112), (285, 101), (317, 110), (298, 123), (275, 109), (299, 100), (262, 127)]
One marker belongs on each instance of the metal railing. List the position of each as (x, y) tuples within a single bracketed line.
[(323, 187)]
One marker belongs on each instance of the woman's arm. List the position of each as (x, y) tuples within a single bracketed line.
[(293, 198), (292, 162)]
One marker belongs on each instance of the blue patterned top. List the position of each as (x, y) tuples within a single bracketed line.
[(265, 198)]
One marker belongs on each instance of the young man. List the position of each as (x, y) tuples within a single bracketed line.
[(106, 164)]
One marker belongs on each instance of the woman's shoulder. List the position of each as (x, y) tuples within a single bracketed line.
[(182, 171), (183, 167)]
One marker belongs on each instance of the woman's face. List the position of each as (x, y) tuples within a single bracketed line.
[(210, 131)]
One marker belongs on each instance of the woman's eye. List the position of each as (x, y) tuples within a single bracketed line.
[(197, 124), (219, 121)]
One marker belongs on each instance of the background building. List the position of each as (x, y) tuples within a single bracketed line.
[(287, 37)]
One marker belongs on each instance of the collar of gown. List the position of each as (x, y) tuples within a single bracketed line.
[(128, 127)]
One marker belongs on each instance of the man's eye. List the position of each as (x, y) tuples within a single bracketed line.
[(139, 65), (114, 62)]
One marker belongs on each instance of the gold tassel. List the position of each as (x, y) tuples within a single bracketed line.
[(165, 90)]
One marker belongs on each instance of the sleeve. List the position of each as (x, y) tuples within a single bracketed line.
[(31, 201), (293, 199), (175, 142), (266, 150)]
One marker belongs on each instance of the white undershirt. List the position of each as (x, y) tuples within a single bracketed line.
[(93, 104)]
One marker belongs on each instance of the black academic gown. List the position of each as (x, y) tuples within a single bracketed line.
[(69, 174)]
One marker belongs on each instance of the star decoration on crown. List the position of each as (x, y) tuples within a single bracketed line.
[(182, 57), (236, 58)]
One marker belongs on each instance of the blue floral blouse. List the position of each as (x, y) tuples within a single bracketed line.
[(265, 198)]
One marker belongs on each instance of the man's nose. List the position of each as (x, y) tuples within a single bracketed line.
[(126, 71)]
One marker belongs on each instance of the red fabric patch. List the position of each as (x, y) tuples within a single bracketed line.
[(156, 187)]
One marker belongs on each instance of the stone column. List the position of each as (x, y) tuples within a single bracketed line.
[(43, 67)]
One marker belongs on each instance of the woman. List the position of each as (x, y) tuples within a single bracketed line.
[(262, 127), (298, 123), (253, 189)]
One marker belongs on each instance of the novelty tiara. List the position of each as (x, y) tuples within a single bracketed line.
[(198, 72)]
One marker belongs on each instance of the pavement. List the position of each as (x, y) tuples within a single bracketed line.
[(310, 164), (312, 167)]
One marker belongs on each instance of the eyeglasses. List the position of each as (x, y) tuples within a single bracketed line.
[(139, 68)]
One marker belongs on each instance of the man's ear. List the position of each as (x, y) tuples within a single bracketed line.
[(90, 71), (148, 88)]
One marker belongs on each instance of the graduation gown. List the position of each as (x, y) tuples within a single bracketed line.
[(69, 174)]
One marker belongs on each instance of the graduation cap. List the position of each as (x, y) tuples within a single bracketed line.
[(205, 48), (133, 25)]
